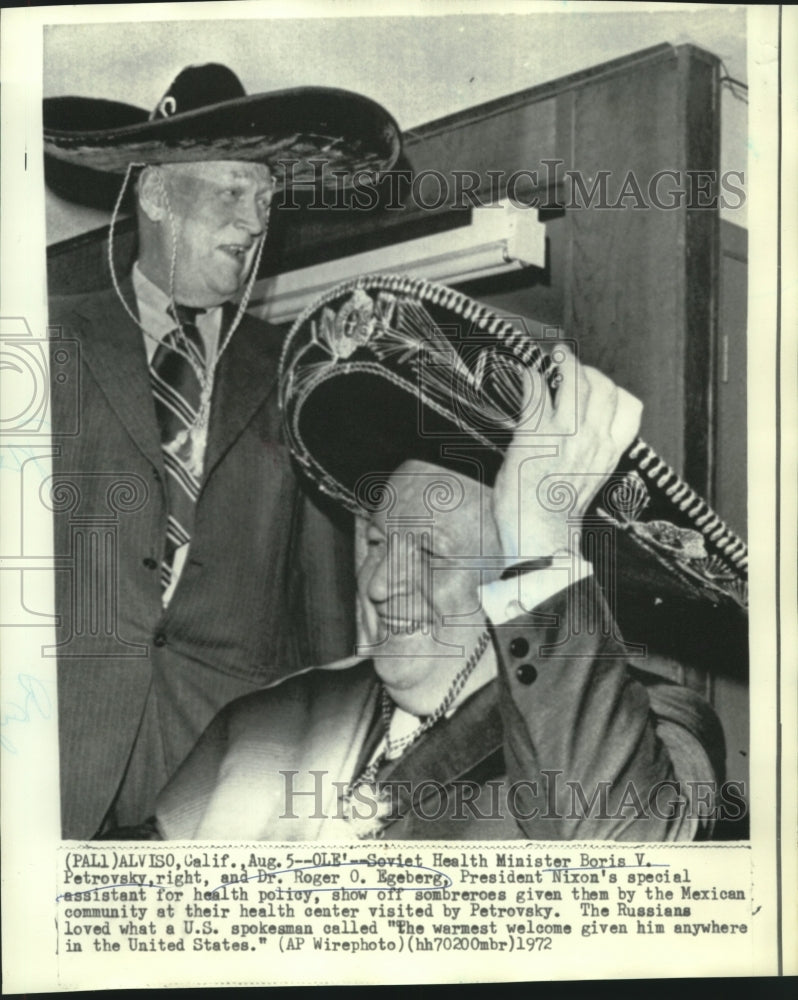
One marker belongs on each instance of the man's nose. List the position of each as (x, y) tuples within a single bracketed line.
[(396, 574), (252, 215)]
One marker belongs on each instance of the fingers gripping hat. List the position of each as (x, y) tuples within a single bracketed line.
[(386, 368), (302, 134)]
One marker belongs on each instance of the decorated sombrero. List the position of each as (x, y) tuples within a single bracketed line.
[(386, 368), (305, 135)]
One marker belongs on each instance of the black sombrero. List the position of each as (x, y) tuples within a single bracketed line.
[(305, 135), (387, 368)]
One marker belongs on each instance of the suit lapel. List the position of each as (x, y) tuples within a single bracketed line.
[(113, 347), (234, 784), (338, 720), (246, 376), (451, 750)]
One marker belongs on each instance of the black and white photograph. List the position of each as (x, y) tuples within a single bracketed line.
[(379, 468)]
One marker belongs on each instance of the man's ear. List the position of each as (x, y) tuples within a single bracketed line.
[(152, 193)]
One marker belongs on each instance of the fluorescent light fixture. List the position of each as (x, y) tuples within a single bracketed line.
[(500, 238)]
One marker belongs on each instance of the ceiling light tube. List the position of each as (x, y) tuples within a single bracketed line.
[(500, 238)]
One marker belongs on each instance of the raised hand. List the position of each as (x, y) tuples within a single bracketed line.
[(573, 436)]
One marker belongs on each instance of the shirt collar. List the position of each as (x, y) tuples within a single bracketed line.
[(153, 307)]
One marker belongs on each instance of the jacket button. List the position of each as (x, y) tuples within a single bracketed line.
[(526, 673), (150, 563), (160, 639), (519, 646)]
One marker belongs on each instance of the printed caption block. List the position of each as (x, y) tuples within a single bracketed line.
[(346, 913)]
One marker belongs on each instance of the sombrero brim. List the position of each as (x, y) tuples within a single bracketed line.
[(385, 369), (303, 135)]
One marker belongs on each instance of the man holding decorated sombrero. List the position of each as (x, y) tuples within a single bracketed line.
[(195, 568), (495, 696)]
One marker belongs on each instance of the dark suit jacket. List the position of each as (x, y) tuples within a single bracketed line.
[(567, 710), (264, 565)]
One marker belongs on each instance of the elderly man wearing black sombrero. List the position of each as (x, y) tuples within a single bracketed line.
[(195, 570), (495, 696)]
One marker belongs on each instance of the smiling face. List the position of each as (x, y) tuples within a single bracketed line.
[(213, 214), (422, 615)]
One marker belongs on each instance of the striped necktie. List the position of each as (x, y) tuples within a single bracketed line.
[(177, 390)]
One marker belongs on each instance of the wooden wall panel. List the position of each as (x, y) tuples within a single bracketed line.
[(731, 375), (640, 290), (730, 691)]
